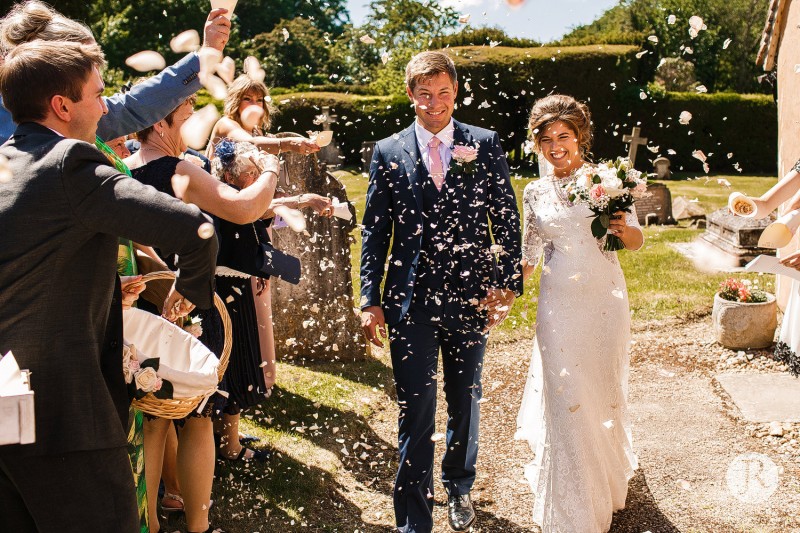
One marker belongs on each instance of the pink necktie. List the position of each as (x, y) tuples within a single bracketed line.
[(436, 168)]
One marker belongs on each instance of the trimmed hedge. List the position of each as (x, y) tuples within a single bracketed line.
[(499, 85)]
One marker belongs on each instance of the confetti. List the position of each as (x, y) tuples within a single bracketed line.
[(226, 70), (286, 34), (253, 69), (701, 89), (726, 44), (464, 19), (437, 437), (653, 39), (608, 424), (696, 25), (385, 57), (698, 154), (197, 129), (206, 230), (366, 39), (184, 42), (146, 61), (685, 118), (671, 19)]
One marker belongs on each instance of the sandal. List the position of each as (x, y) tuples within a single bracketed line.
[(245, 439), (171, 503), (260, 456)]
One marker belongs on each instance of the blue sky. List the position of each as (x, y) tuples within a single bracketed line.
[(543, 20)]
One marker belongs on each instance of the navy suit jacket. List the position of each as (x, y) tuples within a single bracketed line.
[(393, 218)]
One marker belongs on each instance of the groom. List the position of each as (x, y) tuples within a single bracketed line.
[(434, 189)]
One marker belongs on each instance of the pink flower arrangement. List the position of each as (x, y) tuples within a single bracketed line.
[(465, 156), (597, 192), (736, 290)]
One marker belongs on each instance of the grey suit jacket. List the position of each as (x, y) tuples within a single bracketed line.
[(60, 218)]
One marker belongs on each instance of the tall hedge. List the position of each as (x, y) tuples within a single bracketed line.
[(499, 85)]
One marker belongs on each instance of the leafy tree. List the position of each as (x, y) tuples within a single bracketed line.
[(723, 54), (296, 52), (482, 36)]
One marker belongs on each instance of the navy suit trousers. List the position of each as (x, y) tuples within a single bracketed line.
[(415, 349)]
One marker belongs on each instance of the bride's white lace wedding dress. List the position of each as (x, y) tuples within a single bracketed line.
[(573, 410)]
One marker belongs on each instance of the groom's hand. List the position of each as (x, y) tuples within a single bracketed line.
[(373, 324), (497, 304)]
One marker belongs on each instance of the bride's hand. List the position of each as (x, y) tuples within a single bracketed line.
[(617, 224)]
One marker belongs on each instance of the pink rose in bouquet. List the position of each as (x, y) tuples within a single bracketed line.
[(465, 156)]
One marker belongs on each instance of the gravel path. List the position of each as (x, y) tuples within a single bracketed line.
[(686, 433)]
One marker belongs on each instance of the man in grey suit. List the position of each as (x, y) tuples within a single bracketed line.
[(61, 215)]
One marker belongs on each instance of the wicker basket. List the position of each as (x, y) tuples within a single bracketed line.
[(177, 408)]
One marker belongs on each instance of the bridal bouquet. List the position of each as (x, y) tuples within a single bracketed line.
[(606, 188)]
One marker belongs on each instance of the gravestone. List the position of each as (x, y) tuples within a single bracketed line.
[(331, 155), (737, 237), (656, 208), (634, 139), (367, 149), (661, 167), (316, 319)]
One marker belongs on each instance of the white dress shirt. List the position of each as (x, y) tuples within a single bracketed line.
[(445, 149)]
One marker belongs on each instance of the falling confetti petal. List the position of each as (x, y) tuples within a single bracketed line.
[(323, 138), (608, 424), (184, 42), (695, 26), (701, 89), (437, 437), (253, 69), (464, 19), (685, 117), (293, 218), (209, 59), (197, 129), (230, 5), (366, 39), (206, 230), (385, 57), (671, 19), (251, 116), (146, 61), (653, 39), (616, 293), (726, 44), (492, 44), (215, 86), (698, 154), (226, 70)]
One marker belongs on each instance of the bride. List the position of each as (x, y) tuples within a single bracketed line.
[(573, 410)]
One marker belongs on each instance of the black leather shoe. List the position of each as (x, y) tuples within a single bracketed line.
[(460, 513)]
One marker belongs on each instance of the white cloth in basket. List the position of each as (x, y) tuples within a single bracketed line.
[(184, 361)]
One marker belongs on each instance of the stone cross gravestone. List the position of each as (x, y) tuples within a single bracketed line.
[(737, 237), (634, 139), (316, 319), (331, 154), (367, 149)]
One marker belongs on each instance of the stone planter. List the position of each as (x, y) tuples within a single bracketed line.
[(740, 326)]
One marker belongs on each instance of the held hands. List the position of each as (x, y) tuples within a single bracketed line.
[(132, 286), (176, 306), (497, 304), (217, 29), (373, 323)]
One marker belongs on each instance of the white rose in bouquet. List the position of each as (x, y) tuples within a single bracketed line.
[(611, 181), (584, 181), (147, 380)]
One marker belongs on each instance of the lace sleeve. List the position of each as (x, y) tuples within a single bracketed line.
[(532, 242), (796, 166), (632, 219)]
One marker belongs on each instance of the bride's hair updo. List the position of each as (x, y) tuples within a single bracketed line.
[(36, 20), (573, 113)]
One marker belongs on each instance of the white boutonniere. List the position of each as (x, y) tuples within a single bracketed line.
[(465, 156)]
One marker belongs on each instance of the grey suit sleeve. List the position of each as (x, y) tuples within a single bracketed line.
[(150, 101), (504, 215), (105, 201)]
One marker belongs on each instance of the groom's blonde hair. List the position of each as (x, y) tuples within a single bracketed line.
[(426, 65)]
